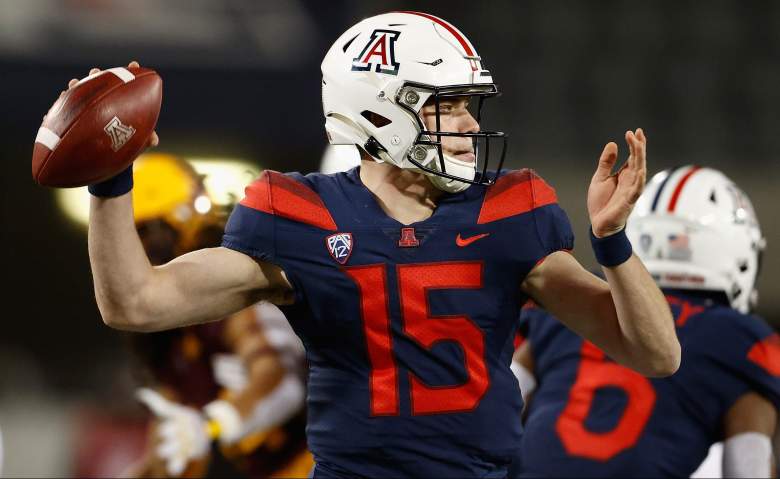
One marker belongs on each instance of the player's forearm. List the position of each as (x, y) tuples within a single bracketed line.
[(120, 267), (646, 325)]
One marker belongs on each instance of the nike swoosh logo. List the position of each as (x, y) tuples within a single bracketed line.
[(433, 63), (467, 241)]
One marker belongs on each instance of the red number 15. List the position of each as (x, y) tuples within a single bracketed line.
[(414, 282)]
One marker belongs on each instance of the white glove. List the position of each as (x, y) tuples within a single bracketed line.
[(183, 431)]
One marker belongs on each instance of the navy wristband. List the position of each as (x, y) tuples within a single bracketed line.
[(115, 186), (611, 250)]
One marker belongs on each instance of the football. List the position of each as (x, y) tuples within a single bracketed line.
[(97, 128)]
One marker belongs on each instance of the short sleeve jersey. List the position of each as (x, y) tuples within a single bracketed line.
[(408, 328), (593, 418)]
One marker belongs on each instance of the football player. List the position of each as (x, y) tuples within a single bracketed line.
[(404, 277), (239, 380), (589, 417)]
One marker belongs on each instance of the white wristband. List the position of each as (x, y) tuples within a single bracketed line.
[(747, 455), (525, 379)]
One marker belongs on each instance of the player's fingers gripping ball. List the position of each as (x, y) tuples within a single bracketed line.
[(97, 127)]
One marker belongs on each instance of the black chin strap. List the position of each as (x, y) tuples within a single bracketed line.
[(373, 148)]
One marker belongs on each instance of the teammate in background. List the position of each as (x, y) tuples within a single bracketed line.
[(239, 380), (403, 277), (698, 235)]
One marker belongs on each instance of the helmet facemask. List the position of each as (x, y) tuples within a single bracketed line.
[(427, 153)]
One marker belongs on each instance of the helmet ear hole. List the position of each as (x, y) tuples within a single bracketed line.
[(742, 265), (375, 118), (713, 199)]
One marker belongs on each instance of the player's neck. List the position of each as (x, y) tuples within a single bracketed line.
[(404, 195)]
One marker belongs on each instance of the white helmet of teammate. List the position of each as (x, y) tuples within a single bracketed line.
[(695, 229), (378, 75)]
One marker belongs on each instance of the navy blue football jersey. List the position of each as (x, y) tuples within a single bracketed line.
[(590, 417), (408, 328)]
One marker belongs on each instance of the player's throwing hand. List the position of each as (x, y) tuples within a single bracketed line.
[(612, 197), (154, 140)]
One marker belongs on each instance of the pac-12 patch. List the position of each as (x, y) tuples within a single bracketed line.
[(340, 246)]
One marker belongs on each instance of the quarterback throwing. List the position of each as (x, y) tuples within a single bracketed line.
[(405, 275)]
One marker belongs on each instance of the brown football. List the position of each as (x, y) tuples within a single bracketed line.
[(97, 128)]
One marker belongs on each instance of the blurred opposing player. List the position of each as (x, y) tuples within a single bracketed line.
[(404, 277), (239, 380), (698, 235)]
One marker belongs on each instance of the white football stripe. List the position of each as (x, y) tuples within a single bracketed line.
[(123, 74), (47, 138)]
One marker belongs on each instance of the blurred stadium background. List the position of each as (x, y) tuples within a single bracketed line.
[(242, 84)]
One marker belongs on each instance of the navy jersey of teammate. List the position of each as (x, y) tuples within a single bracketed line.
[(699, 237), (592, 417), (411, 327)]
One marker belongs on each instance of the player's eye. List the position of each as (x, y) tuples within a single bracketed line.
[(445, 108)]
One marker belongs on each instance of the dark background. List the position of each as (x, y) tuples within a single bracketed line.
[(242, 79)]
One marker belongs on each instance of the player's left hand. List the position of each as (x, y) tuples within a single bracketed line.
[(612, 197), (183, 433)]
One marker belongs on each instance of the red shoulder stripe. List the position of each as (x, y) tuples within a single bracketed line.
[(258, 195), (515, 193), (280, 195), (766, 354)]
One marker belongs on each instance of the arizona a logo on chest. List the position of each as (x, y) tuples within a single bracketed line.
[(340, 246)]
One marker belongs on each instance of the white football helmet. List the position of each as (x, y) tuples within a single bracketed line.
[(695, 229), (378, 75)]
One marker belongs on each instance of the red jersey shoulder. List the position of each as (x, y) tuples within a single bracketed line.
[(283, 195), (515, 193), (747, 337), (766, 354)]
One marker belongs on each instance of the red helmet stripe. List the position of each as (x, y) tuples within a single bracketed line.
[(455, 33), (679, 188)]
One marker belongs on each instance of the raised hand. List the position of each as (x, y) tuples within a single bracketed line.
[(611, 197)]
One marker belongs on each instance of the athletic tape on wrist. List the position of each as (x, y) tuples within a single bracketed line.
[(611, 250), (116, 186)]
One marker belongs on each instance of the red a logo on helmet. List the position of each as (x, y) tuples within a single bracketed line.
[(378, 52)]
